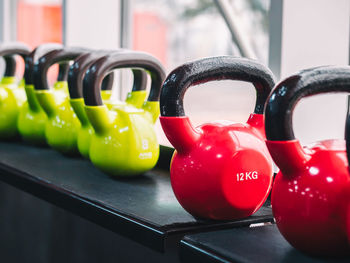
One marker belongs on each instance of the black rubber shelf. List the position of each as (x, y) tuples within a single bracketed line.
[(255, 244), (143, 209)]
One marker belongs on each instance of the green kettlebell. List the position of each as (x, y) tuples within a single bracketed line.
[(62, 126), (125, 142), (12, 95), (32, 118), (75, 85)]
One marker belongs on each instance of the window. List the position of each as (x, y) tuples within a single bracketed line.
[(180, 31)]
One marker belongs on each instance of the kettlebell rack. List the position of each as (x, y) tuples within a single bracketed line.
[(142, 209), (257, 244)]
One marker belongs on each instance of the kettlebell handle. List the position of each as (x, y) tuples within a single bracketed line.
[(42, 65), (78, 69), (10, 66), (38, 52), (63, 71), (14, 49), (8, 50), (126, 59), (285, 96), (210, 69)]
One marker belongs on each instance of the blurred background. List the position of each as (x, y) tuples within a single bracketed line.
[(286, 35)]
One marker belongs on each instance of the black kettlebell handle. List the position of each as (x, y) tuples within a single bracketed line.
[(283, 99), (38, 52), (42, 65), (126, 59), (78, 69), (63, 71), (14, 49), (8, 51), (210, 69), (10, 66)]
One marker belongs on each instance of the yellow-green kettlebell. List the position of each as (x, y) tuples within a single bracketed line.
[(125, 142), (12, 95), (62, 126), (32, 118), (75, 85)]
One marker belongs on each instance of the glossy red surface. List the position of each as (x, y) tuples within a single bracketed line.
[(220, 170), (308, 195), (347, 209)]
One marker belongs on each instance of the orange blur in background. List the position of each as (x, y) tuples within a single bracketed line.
[(149, 35), (37, 24), (42, 23)]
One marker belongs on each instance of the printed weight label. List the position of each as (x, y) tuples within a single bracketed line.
[(147, 155), (145, 144), (246, 176)]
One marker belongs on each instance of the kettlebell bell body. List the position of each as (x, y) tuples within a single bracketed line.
[(124, 142), (32, 118), (9, 107), (75, 79), (12, 95), (308, 191), (86, 130), (348, 214), (220, 170), (346, 198), (62, 126)]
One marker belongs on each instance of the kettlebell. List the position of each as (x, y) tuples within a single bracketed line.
[(125, 142), (62, 126), (347, 190), (220, 170), (307, 194), (32, 118), (75, 85), (12, 94)]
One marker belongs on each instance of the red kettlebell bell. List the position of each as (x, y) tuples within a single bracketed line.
[(347, 191), (220, 170), (307, 195)]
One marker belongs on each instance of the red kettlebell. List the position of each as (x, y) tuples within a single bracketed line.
[(347, 193), (220, 170), (307, 196)]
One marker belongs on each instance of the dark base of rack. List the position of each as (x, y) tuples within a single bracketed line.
[(33, 230)]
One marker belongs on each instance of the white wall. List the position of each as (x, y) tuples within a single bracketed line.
[(314, 33), (91, 23)]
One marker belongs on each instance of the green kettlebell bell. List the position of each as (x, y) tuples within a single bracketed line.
[(75, 85), (62, 126), (12, 95), (32, 118), (125, 142)]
